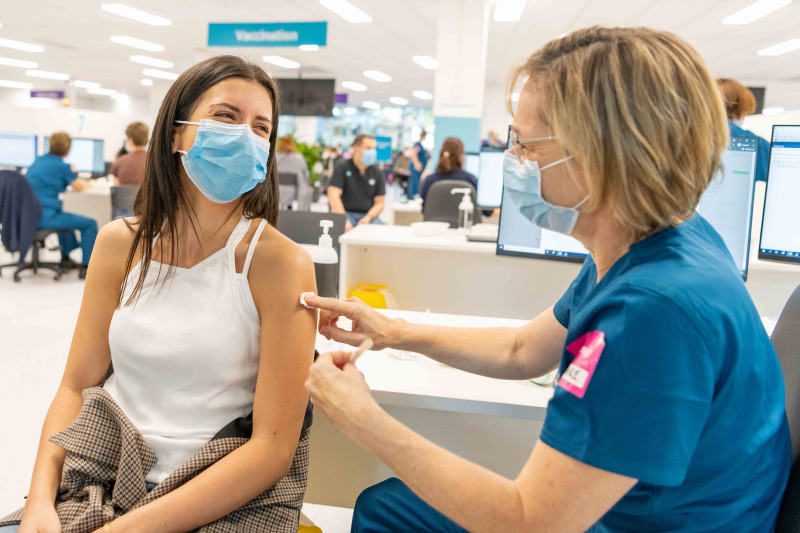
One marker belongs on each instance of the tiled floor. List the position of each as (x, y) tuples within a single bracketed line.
[(37, 318)]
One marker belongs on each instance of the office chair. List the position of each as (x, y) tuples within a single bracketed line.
[(21, 211), (122, 200), (288, 188), (303, 226), (442, 206), (786, 340)]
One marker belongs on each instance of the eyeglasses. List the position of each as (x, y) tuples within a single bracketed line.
[(519, 144)]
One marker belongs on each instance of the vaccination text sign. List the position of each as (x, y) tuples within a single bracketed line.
[(268, 34)]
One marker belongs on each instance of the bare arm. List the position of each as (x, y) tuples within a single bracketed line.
[(80, 185), (554, 492), (89, 357), (279, 273), (375, 210), (335, 199), (507, 353)]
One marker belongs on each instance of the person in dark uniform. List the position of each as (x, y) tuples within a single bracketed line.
[(419, 158), (50, 176), (358, 188)]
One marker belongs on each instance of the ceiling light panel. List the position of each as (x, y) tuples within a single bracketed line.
[(21, 63), (102, 92), (347, 11), (422, 95), (152, 61), (146, 82), (427, 62), (19, 45), (377, 75), (15, 84), (137, 43), (86, 84), (161, 74), (755, 11), (47, 75), (398, 100), (281, 62), (781, 48), (509, 10), (354, 86), (136, 14), (371, 105)]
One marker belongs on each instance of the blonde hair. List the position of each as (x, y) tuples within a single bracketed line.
[(739, 100), (640, 113), (286, 145), (138, 133), (60, 143)]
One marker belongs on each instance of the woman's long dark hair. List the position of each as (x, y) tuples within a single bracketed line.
[(161, 195)]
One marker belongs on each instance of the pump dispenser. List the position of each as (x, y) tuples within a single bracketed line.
[(465, 209), (326, 262)]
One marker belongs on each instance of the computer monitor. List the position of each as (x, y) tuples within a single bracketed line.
[(472, 164), (519, 237), (85, 154), (780, 237), (17, 149), (490, 177), (727, 203)]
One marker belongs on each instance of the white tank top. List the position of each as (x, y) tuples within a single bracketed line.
[(186, 354)]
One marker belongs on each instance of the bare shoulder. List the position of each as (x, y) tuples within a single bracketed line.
[(277, 253), (114, 243)]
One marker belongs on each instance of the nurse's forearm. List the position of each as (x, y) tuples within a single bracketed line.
[(471, 495), (485, 351)]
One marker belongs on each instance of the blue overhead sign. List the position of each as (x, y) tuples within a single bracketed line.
[(268, 34)]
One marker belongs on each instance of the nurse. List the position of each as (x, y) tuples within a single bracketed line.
[(49, 177), (669, 411)]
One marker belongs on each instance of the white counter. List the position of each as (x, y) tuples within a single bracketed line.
[(94, 202)]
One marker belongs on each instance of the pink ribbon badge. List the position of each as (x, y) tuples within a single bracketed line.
[(587, 350)]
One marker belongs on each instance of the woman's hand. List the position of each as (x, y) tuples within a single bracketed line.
[(39, 517), (338, 388), (367, 323)]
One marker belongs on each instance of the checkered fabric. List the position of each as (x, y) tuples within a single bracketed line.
[(107, 461)]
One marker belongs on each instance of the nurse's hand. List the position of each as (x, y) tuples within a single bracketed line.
[(367, 322), (338, 388)]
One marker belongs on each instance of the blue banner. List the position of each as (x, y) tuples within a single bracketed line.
[(268, 34), (384, 149)]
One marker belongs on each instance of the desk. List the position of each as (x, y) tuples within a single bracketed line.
[(94, 202), (471, 415), (406, 213), (450, 274)]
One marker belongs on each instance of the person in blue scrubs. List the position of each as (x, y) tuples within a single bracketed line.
[(419, 160), (739, 103), (668, 412), (50, 176)]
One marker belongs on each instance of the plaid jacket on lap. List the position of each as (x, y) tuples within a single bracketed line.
[(107, 461)]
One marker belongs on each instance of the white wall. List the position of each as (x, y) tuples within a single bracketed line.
[(40, 116), (762, 124), (495, 115)]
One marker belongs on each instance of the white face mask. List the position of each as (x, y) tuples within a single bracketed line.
[(523, 184)]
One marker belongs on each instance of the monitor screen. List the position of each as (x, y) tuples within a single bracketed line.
[(307, 97), (17, 149), (490, 177), (85, 154), (472, 164), (727, 203), (780, 238), (519, 236)]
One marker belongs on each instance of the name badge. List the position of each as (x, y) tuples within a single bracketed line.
[(587, 350), (348, 174), (371, 183)]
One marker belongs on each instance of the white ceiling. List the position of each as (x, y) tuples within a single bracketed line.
[(76, 35)]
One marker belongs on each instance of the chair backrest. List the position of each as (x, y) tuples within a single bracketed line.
[(288, 188), (303, 226), (442, 206), (123, 197), (786, 340)]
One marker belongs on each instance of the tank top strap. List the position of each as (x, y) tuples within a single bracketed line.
[(252, 248), (238, 232)]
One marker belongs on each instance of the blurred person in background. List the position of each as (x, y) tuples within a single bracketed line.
[(739, 103)]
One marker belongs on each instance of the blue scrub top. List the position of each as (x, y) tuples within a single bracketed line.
[(687, 395), (423, 156), (49, 176), (762, 159)]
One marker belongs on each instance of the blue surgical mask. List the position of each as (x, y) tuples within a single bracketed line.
[(369, 157), (523, 185), (226, 160)]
